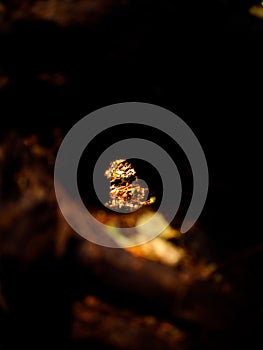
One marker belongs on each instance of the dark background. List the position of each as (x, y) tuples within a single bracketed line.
[(200, 59)]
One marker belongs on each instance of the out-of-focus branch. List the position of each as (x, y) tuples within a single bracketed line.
[(186, 293), (123, 329), (62, 13), (31, 227)]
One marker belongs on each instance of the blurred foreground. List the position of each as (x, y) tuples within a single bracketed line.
[(60, 290)]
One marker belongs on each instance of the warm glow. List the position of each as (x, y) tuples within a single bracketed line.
[(125, 190)]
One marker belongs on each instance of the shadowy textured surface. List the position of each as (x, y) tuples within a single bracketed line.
[(61, 60)]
